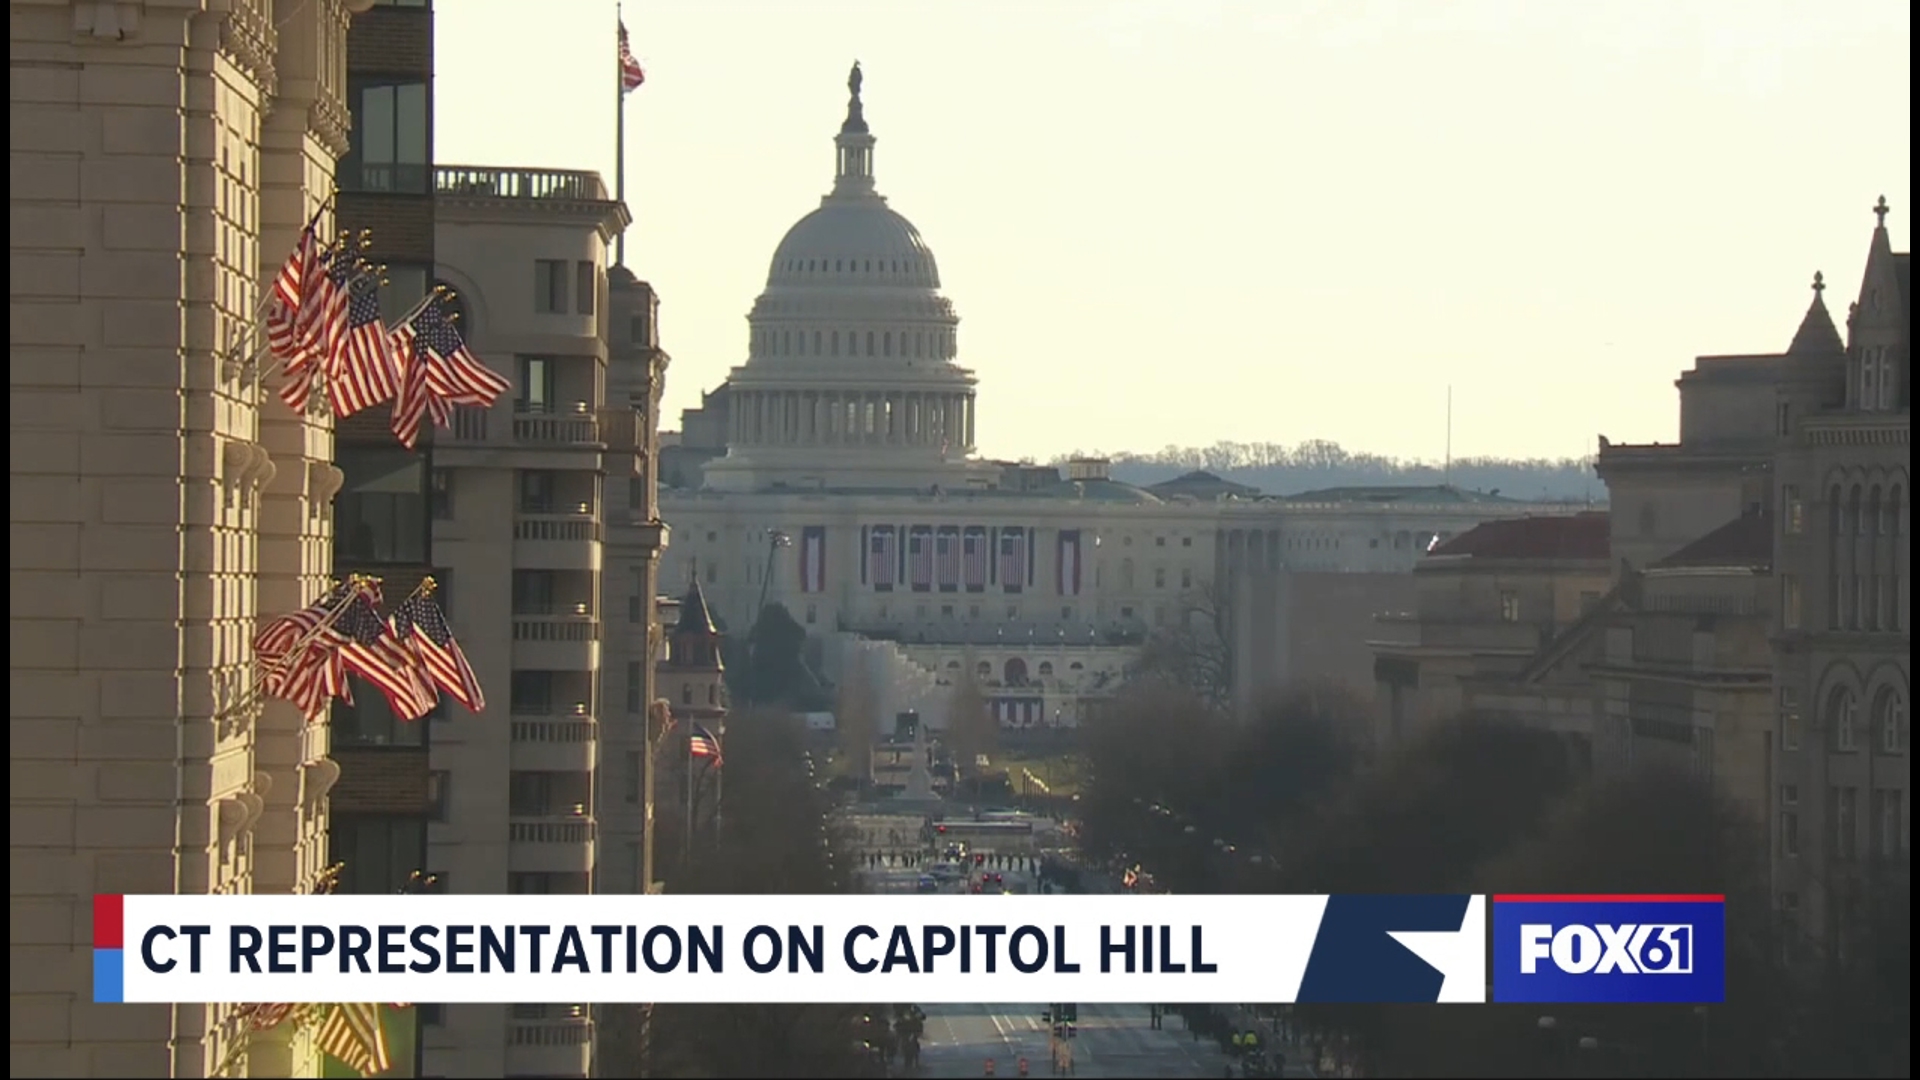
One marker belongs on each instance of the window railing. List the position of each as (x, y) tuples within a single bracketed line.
[(556, 628), (549, 830), (500, 183), (546, 526), (574, 730)]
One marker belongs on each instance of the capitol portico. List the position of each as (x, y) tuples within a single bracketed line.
[(836, 472)]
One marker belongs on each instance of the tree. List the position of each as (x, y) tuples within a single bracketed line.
[(1195, 651), (971, 729), (776, 673), (770, 841), (856, 717)]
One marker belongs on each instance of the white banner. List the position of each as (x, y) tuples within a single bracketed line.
[(724, 949)]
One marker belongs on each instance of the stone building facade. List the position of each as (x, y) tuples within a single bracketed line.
[(165, 156)]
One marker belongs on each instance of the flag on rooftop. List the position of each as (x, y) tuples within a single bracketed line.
[(632, 75)]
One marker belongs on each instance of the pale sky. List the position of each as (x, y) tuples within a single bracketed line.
[(1182, 221)]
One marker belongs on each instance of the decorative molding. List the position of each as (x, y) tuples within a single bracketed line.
[(233, 818), (249, 467), (107, 20), (251, 42), (262, 783), (324, 481), (317, 777)]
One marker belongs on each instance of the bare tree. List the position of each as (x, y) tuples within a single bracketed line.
[(971, 729), (1195, 649)]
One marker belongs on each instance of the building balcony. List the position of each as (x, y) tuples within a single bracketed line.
[(556, 642), (565, 438), (556, 542), (490, 182), (550, 844), (549, 1047), (554, 744)]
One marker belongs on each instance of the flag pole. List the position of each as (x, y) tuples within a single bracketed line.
[(687, 847), (620, 139)]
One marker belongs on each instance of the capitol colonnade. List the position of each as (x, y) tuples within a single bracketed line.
[(937, 420)]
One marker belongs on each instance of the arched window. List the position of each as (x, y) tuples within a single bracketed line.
[(1889, 721), (886, 344), (1046, 669), (1835, 501), (1016, 670), (686, 694), (1854, 523), (833, 345), (953, 665), (1890, 512), (1076, 666), (1843, 719), (983, 669), (869, 343)]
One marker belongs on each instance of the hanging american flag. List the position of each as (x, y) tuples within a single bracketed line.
[(437, 372), (920, 557), (632, 75), (702, 744), (1069, 562), (1013, 559), (813, 559), (298, 654), (880, 556), (372, 652), (421, 623), (300, 313), (977, 557), (354, 1036), (946, 548), (361, 372)]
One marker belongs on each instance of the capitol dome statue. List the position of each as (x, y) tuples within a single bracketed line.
[(850, 380)]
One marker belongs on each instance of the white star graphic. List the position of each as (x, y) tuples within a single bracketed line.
[(1459, 955)]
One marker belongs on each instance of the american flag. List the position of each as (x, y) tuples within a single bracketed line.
[(301, 314), (920, 557), (354, 1036), (361, 372), (298, 654), (372, 652), (974, 549), (880, 556), (1013, 559), (632, 75), (947, 550), (420, 622), (701, 743), (439, 371)]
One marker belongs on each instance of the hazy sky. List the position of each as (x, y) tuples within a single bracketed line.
[(1181, 221)]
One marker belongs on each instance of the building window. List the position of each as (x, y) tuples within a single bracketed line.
[(532, 693), (533, 592), (389, 141), (1796, 510), (1789, 833), (1789, 718), (441, 494), (380, 515), (636, 688), (378, 855), (369, 721), (1509, 606), (1783, 419), (536, 491), (1890, 721), (1186, 579), (1789, 602), (637, 328), (536, 385), (550, 286), (530, 794), (402, 287), (530, 885), (586, 286), (1843, 812), (1843, 719), (1889, 840), (439, 794), (813, 613)]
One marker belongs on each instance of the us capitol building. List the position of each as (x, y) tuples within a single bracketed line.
[(836, 472)]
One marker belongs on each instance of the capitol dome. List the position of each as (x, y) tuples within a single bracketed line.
[(850, 379)]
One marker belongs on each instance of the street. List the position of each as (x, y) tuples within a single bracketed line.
[(1114, 1041)]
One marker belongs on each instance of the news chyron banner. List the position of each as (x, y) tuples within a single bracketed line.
[(929, 949)]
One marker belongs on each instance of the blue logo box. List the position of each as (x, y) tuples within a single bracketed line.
[(1569, 950)]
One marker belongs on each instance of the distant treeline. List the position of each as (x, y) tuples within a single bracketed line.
[(1289, 470)]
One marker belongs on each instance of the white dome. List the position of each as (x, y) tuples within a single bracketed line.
[(854, 239)]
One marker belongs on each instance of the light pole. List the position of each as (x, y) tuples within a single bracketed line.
[(775, 541)]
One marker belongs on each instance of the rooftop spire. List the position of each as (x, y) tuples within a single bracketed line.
[(854, 172), (1879, 208), (1817, 333)]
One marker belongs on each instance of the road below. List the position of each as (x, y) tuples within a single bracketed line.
[(1113, 1041)]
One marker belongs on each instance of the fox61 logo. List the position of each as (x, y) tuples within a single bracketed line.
[(1602, 949)]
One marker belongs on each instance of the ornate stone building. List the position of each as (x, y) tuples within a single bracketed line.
[(165, 155), (835, 472)]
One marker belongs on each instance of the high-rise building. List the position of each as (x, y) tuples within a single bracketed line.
[(386, 794), (536, 798), (164, 159)]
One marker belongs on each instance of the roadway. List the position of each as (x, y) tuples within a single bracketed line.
[(1113, 1041)]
